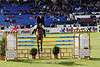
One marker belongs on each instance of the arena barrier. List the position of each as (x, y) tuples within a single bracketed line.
[(76, 45)]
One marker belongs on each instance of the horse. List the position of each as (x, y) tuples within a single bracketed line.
[(39, 32)]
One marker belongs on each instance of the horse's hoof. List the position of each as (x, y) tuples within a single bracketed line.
[(38, 52), (44, 35), (41, 50)]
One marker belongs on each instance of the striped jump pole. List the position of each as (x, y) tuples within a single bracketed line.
[(20, 45), (32, 41), (64, 37), (45, 41), (49, 37)]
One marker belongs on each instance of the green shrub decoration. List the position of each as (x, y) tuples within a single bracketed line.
[(56, 50), (33, 51), (2, 47)]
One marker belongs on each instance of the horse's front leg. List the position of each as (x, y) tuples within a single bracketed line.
[(41, 44), (38, 46)]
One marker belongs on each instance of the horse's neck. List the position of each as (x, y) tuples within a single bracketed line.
[(40, 31)]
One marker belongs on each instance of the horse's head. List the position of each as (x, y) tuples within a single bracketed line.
[(39, 31)]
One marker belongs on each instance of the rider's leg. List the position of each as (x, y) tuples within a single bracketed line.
[(43, 26), (34, 28), (44, 32)]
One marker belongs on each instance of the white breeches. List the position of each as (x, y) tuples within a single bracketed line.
[(36, 27)]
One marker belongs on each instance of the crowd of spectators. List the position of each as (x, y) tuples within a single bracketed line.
[(58, 8)]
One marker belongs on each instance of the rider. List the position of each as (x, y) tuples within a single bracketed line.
[(40, 22)]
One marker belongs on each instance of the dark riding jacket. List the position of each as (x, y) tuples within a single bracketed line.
[(40, 20)]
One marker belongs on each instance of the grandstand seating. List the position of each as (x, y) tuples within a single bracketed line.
[(13, 13), (21, 17)]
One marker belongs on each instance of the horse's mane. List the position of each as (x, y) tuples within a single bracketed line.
[(38, 27)]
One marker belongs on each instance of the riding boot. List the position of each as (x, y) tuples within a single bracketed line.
[(44, 33), (34, 31)]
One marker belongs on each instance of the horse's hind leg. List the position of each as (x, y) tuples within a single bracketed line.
[(41, 44)]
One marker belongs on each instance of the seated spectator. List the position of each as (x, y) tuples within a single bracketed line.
[(22, 26), (28, 26), (2, 28), (53, 25)]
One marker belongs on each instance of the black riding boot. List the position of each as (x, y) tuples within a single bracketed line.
[(33, 31), (44, 33)]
